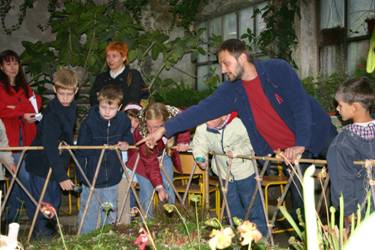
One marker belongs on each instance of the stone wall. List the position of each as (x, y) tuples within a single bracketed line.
[(29, 30)]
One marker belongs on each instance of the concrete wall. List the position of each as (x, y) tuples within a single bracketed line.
[(28, 31), (307, 52)]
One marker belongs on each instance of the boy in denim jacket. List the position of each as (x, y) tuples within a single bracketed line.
[(56, 126), (356, 142), (104, 124)]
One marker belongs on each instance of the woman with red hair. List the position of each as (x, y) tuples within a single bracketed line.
[(120, 74)]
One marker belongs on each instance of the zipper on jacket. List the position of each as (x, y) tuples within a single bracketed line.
[(222, 147), (105, 159)]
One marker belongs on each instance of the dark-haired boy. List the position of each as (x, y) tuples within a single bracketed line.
[(104, 124), (356, 142)]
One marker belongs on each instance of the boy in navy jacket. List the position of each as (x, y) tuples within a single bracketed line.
[(56, 126), (356, 141), (103, 125)]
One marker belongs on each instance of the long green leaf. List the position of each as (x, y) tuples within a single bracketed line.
[(291, 221)]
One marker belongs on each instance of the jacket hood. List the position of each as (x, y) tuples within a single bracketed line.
[(358, 143), (100, 127), (97, 131)]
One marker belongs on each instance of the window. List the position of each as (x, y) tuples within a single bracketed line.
[(229, 25), (344, 42)]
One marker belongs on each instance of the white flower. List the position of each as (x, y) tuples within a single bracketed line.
[(248, 232), (83, 39), (221, 238), (107, 206)]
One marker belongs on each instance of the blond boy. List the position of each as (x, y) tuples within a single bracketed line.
[(56, 126)]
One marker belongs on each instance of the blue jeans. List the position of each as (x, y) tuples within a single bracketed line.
[(96, 216), (18, 198), (239, 197), (45, 227), (146, 188)]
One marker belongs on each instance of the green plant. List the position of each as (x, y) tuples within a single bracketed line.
[(360, 70), (185, 11), (81, 37), (61, 232), (279, 37), (169, 208), (196, 199), (316, 234), (107, 207), (323, 89), (146, 227), (214, 223), (49, 212), (178, 95)]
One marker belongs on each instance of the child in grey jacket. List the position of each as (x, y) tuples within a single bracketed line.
[(355, 142), (228, 135)]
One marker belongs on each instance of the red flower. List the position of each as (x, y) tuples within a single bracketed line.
[(47, 210), (142, 240)]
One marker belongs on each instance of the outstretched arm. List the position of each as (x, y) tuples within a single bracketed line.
[(221, 102)]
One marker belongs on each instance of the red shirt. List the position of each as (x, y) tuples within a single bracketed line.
[(268, 123)]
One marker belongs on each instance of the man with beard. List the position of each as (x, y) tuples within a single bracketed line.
[(277, 112)]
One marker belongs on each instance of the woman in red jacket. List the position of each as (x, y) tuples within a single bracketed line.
[(18, 114), (149, 174)]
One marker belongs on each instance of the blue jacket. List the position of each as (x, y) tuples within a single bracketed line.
[(56, 126), (302, 114), (95, 131), (347, 178)]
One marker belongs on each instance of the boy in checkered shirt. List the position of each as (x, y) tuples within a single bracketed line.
[(355, 100)]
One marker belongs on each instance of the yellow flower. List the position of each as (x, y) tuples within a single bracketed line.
[(168, 207), (195, 198), (248, 232), (213, 222), (221, 238), (237, 221)]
